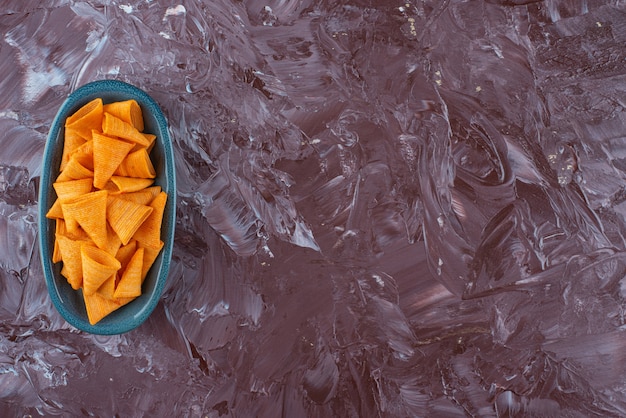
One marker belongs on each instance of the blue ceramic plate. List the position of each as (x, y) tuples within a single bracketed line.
[(68, 301)]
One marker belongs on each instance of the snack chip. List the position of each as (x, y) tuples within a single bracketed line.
[(89, 211), (74, 170), (85, 118), (108, 214), (126, 217), (130, 283), (72, 141), (149, 232), (128, 111), (129, 184), (137, 164), (111, 152), (116, 127)]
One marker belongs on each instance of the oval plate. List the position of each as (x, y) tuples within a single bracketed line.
[(69, 302)]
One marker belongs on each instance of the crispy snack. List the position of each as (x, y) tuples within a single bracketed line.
[(150, 254), (137, 164), (111, 152), (126, 217), (74, 170), (89, 211), (72, 141), (125, 253), (98, 306), (128, 111), (149, 232), (142, 197), (130, 283), (98, 266), (72, 261), (69, 189), (108, 214), (83, 120), (116, 127), (128, 184)]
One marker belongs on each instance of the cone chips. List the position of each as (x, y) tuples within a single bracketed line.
[(108, 214)]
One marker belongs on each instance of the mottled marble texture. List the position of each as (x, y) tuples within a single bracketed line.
[(384, 208)]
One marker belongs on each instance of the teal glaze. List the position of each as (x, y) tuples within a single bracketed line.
[(68, 301)]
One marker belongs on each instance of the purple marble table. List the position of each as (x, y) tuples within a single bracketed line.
[(384, 208)]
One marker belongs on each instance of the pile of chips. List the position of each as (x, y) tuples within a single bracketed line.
[(108, 213)]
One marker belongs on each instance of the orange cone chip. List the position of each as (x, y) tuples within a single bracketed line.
[(126, 216), (60, 227), (113, 241), (130, 283), (111, 188), (150, 231), (73, 188), (84, 155), (61, 230), (74, 170), (89, 211), (68, 191), (64, 271), (78, 234), (111, 152), (125, 253), (107, 289), (72, 262), (150, 138), (149, 256), (142, 197), (137, 164), (98, 266), (130, 184), (98, 306), (58, 230), (56, 252), (85, 118), (128, 111), (72, 141), (116, 127), (55, 211)]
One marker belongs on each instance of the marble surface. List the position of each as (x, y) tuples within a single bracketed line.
[(384, 208)]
